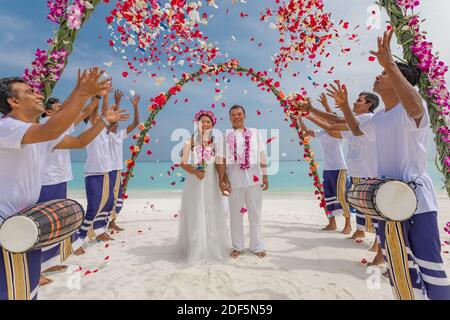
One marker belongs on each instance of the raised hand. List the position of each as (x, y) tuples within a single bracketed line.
[(113, 116), (324, 101), (118, 94), (136, 100), (107, 90), (339, 94), (88, 83), (384, 54), (302, 106)]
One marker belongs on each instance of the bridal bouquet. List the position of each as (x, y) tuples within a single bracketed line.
[(202, 166)]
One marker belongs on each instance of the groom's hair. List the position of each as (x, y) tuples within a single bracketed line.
[(236, 106)]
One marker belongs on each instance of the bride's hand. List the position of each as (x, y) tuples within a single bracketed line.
[(200, 174)]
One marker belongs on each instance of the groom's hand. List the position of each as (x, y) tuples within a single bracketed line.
[(265, 183), (224, 187)]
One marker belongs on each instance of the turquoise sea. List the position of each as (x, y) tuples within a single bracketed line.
[(292, 176)]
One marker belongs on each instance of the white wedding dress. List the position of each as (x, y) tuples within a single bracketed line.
[(202, 218)]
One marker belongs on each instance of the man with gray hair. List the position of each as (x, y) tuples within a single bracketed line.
[(242, 171)]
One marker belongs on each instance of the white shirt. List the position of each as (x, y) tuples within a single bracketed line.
[(98, 159), (402, 152), (333, 154), (362, 153), (242, 178), (58, 168), (116, 148), (21, 166)]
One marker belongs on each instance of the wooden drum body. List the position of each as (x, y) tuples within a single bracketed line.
[(41, 225), (390, 199)]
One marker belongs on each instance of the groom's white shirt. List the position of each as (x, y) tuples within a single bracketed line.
[(242, 178)]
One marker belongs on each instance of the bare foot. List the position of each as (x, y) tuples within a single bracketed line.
[(113, 226), (346, 230), (80, 251), (357, 235), (377, 260), (60, 267), (43, 281), (234, 254), (374, 246), (331, 225), (103, 237), (260, 254)]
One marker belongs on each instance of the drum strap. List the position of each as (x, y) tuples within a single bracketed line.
[(413, 184)]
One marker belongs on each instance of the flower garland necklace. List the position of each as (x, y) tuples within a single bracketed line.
[(232, 141), (204, 155)]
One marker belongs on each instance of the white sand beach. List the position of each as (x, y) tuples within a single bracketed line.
[(303, 262)]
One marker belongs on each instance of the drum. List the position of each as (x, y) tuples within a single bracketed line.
[(41, 225), (390, 199)]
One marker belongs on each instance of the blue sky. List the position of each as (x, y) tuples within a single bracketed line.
[(24, 27)]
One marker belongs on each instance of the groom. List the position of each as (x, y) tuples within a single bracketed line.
[(240, 163)]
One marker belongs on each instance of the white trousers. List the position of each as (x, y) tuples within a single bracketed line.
[(251, 199)]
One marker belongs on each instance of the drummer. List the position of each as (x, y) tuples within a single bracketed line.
[(361, 156), (57, 172), (412, 248), (22, 144)]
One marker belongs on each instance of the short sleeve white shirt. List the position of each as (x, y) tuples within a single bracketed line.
[(402, 151), (116, 148), (333, 154), (362, 152), (98, 160), (22, 167), (58, 168)]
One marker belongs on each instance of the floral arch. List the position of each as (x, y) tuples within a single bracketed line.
[(295, 16)]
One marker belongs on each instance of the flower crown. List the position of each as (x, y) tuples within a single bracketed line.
[(209, 114)]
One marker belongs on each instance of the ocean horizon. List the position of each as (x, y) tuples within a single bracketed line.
[(292, 176)]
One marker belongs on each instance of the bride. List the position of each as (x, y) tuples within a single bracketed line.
[(202, 229)]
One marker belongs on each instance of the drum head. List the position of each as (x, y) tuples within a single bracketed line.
[(18, 234), (396, 200)]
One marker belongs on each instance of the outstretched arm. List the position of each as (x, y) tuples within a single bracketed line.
[(87, 111), (88, 85), (340, 95), (326, 126), (81, 141), (408, 95), (135, 122), (306, 106), (304, 128), (87, 136)]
